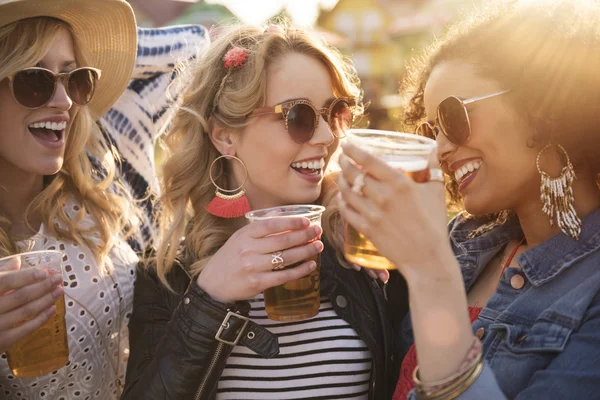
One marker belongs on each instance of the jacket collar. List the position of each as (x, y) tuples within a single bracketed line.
[(543, 263), (540, 264)]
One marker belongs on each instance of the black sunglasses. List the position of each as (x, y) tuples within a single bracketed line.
[(34, 87), (452, 119), (302, 117)]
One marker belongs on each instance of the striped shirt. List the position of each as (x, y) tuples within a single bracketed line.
[(320, 358)]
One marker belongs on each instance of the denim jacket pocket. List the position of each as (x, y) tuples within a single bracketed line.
[(519, 351)]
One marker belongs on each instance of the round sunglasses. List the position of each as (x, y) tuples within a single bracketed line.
[(302, 117), (35, 87), (452, 119)]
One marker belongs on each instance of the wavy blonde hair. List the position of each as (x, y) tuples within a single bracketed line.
[(93, 186), (186, 186)]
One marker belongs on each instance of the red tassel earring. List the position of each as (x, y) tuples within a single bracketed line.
[(225, 204)]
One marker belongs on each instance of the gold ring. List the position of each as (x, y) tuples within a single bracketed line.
[(436, 175), (359, 183), (277, 261)]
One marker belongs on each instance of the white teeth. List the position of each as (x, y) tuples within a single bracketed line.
[(310, 165), (55, 126), (466, 169)]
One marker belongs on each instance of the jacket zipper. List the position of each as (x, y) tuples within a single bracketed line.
[(372, 383), (211, 367)]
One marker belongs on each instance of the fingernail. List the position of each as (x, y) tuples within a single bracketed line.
[(383, 277), (312, 265), (319, 245), (56, 293), (52, 310), (40, 274), (317, 230), (356, 267), (56, 279)]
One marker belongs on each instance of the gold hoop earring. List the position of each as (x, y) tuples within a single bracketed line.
[(557, 197), (228, 203)]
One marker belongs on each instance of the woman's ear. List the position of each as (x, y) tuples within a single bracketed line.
[(223, 138)]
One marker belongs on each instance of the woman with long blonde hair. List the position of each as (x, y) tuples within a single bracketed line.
[(263, 110), (62, 66)]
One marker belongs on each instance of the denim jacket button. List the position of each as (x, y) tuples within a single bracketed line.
[(186, 300), (341, 301), (479, 333), (517, 281)]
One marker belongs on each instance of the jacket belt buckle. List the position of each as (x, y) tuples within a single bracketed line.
[(225, 325)]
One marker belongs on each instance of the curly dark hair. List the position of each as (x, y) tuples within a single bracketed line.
[(547, 52)]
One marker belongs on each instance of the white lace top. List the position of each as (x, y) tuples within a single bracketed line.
[(97, 314)]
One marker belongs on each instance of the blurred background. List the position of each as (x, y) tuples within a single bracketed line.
[(380, 36)]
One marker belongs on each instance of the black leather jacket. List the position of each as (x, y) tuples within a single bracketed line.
[(175, 353)]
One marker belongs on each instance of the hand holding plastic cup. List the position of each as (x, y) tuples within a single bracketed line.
[(45, 349), (299, 299), (410, 153)]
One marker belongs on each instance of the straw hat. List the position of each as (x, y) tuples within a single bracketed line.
[(105, 28)]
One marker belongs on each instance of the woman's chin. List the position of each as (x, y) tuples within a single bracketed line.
[(49, 170), (479, 208), (306, 198)]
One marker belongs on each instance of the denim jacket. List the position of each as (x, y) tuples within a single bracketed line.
[(540, 341)]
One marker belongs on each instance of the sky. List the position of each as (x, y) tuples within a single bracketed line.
[(304, 12)]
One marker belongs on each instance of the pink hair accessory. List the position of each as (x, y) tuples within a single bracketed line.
[(235, 57), (275, 29)]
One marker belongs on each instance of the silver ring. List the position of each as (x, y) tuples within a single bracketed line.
[(436, 175), (277, 261), (359, 183)]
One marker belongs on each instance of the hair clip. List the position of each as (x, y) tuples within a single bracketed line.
[(235, 57), (272, 29)]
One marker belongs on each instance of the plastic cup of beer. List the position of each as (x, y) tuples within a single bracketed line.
[(410, 153), (299, 299), (46, 349)]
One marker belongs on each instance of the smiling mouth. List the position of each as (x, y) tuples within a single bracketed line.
[(48, 131), (309, 168), (464, 172)]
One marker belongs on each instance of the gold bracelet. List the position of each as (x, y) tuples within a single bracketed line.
[(471, 358), (456, 389), (429, 392)]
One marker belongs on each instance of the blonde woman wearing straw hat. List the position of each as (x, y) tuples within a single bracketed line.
[(63, 64)]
